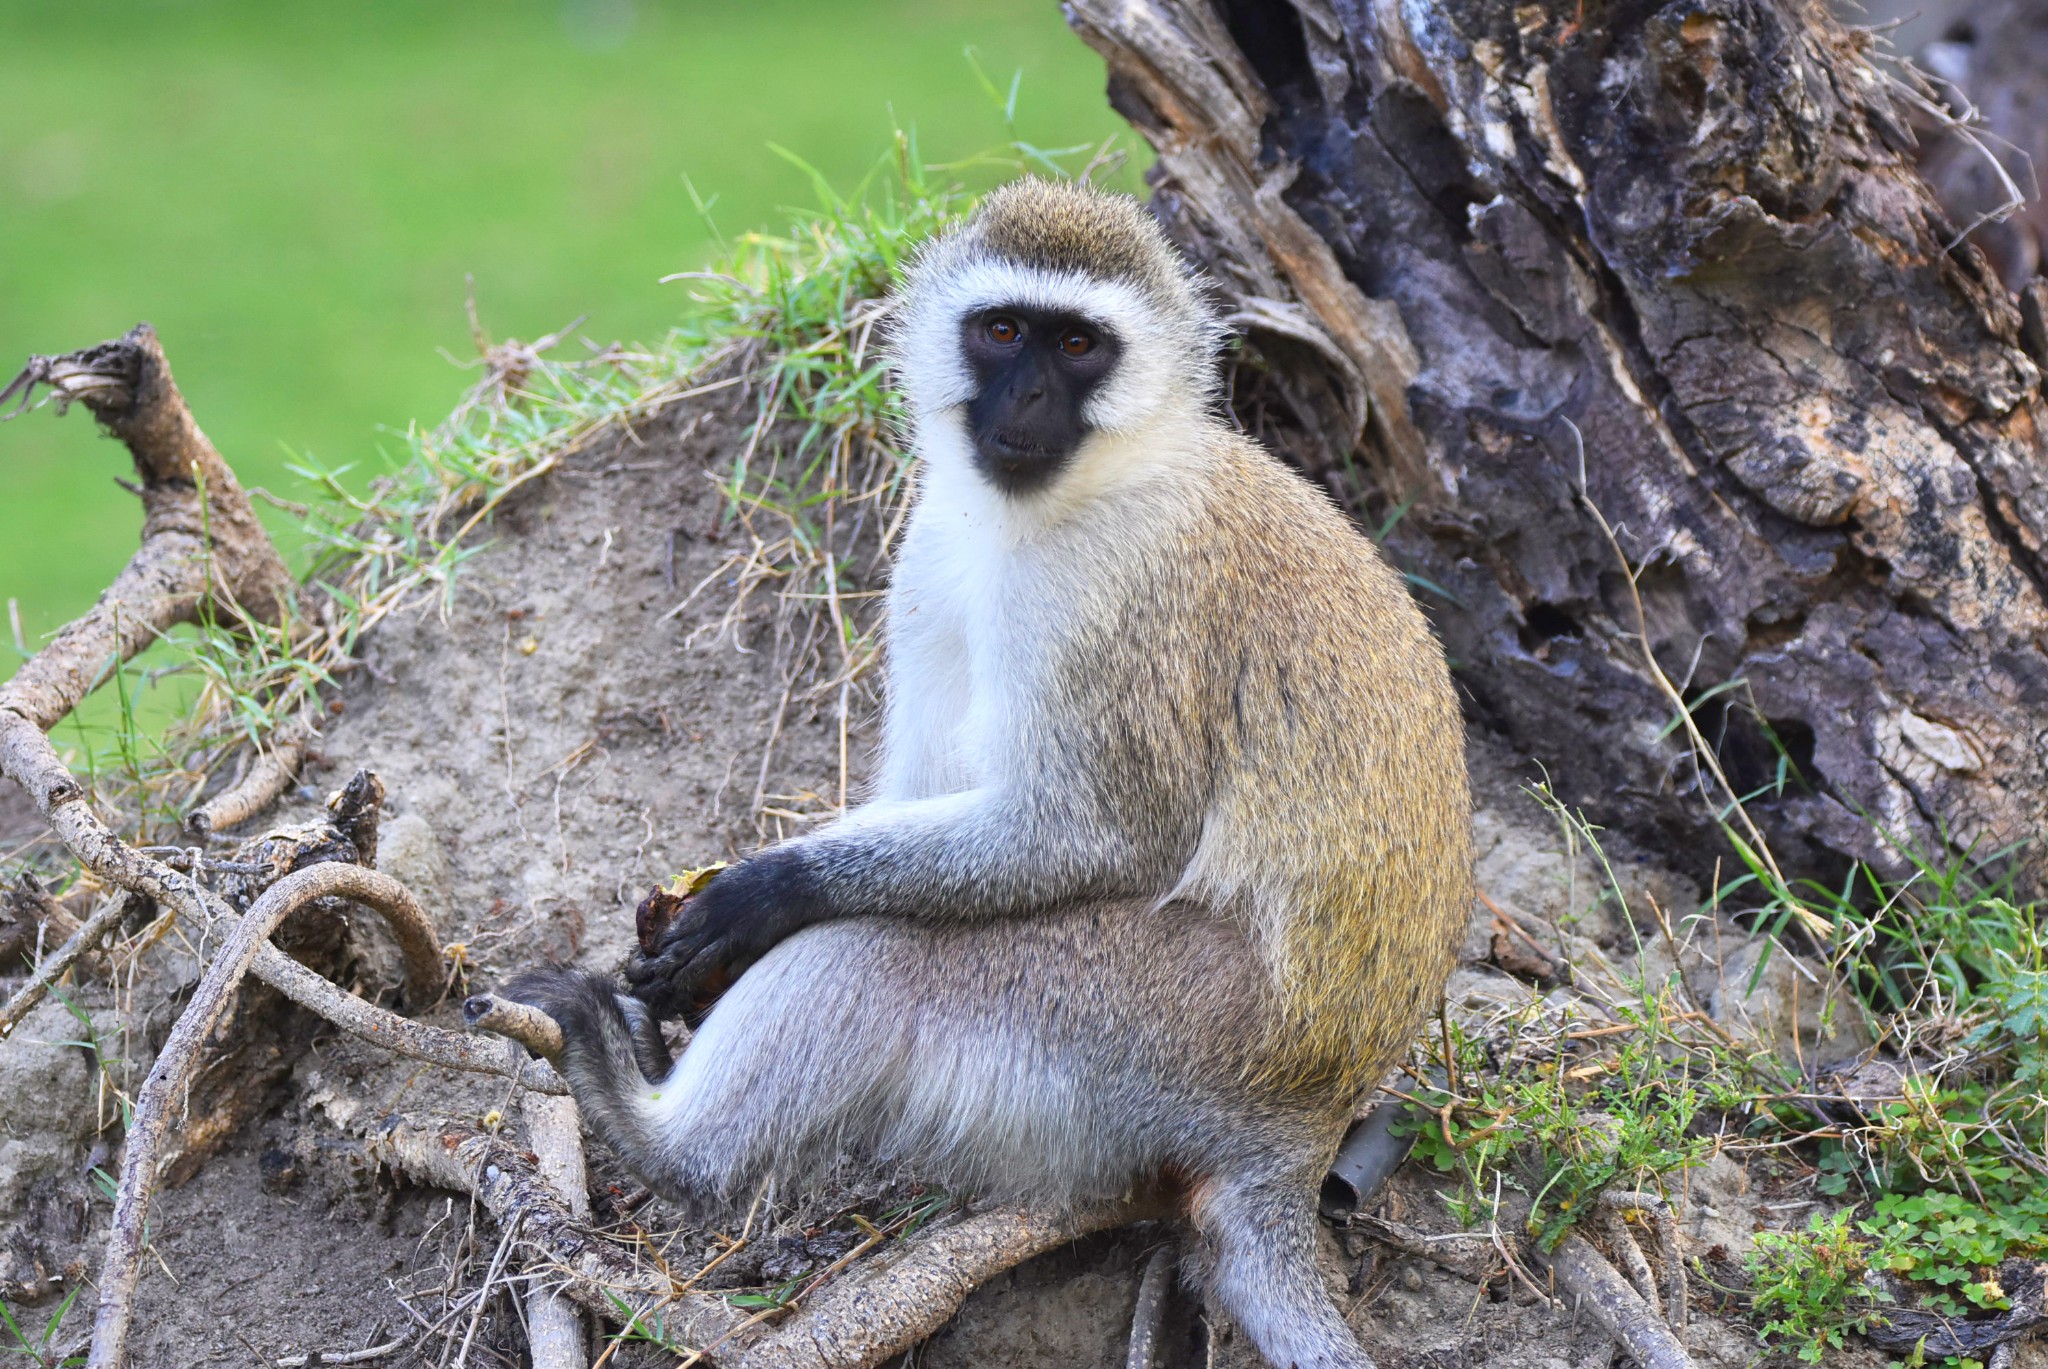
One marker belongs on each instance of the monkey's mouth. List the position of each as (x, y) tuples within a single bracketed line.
[(1015, 462)]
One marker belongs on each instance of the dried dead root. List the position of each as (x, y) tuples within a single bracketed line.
[(1626, 1307), (58, 962), (29, 918), (554, 1327), (893, 1303), (267, 778), (202, 551), (1148, 1317), (1616, 1208), (179, 1058), (1588, 1282), (401, 1036), (530, 1027)]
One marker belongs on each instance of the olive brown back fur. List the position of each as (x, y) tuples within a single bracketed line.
[(1167, 851), (1297, 739)]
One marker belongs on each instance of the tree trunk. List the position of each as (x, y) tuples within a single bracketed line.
[(1507, 268)]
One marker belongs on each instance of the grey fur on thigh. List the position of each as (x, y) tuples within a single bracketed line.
[(1017, 1059)]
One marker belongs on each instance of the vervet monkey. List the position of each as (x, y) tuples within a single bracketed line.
[(1168, 849)]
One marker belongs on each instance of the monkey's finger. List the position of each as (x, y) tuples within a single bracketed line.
[(674, 975), (710, 965), (684, 947), (654, 982), (652, 977)]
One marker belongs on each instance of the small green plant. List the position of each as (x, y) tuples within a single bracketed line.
[(775, 1297), (1563, 1127), (2012, 986), (43, 1349), (905, 1219), (1807, 1286), (641, 1327), (1956, 1243), (106, 1056)]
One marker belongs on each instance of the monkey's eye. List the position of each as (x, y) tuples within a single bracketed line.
[(1077, 342), (1003, 329)]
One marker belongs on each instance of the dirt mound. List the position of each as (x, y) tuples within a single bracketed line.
[(580, 719)]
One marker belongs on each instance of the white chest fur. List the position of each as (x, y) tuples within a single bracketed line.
[(986, 589), (945, 642)]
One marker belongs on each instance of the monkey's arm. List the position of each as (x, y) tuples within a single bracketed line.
[(969, 855)]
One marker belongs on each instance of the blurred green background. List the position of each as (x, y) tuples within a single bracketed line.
[(293, 194)]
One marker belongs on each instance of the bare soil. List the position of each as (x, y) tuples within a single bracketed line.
[(556, 739)]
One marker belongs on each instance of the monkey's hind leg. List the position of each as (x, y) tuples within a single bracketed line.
[(805, 1057), (1257, 1251)]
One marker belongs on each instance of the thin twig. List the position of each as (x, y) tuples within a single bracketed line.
[(364, 1356), (401, 1036), (529, 1026), (1702, 750), (56, 963), (1476, 1265)]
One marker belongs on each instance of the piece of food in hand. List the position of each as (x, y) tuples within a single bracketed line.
[(660, 907)]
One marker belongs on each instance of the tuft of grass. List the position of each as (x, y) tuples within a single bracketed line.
[(1563, 1112), (1808, 1286), (1937, 1186), (43, 1349)]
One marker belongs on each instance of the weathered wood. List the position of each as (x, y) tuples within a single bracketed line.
[(202, 548), (171, 1075), (1676, 260), (1591, 1285)]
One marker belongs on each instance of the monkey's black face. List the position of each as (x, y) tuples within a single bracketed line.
[(1034, 371)]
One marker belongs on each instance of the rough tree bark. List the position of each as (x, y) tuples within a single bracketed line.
[(1673, 264)]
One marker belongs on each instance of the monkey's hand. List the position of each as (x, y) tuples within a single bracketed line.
[(741, 915)]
